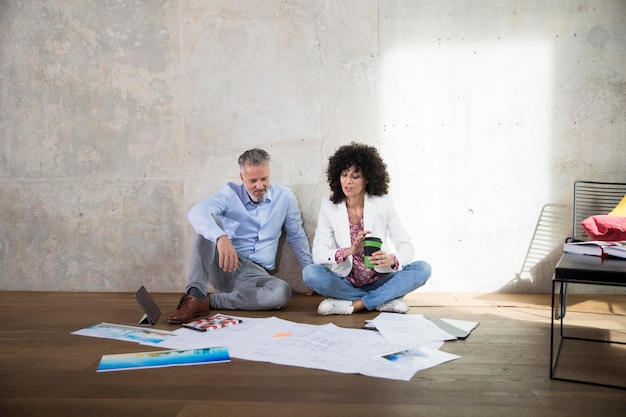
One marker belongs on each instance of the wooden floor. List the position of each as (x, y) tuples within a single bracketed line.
[(503, 369)]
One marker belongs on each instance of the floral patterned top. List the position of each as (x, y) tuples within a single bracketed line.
[(359, 276)]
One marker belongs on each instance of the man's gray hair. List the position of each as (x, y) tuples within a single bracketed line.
[(254, 156)]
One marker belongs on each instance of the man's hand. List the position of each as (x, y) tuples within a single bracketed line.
[(227, 254)]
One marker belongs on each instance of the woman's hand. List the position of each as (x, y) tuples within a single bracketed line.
[(380, 258), (357, 245)]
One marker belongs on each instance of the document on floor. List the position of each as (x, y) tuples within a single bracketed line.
[(409, 329), (413, 360), (163, 358), (326, 347), (459, 328), (126, 333)]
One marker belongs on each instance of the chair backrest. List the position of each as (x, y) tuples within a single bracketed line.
[(592, 198)]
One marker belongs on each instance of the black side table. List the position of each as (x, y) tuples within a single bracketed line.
[(580, 269)]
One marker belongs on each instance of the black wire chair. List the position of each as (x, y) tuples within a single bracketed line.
[(590, 198)]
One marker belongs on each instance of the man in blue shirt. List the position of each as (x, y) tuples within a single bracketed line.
[(238, 231)]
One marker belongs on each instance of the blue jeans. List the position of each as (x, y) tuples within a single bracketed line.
[(389, 286)]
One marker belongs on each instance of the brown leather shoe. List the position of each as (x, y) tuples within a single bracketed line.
[(188, 308)]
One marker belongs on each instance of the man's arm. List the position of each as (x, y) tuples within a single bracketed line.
[(295, 232), (202, 215), (202, 218)]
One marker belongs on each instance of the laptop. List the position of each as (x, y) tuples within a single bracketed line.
[(152, 312)]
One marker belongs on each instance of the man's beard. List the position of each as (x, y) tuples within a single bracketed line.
[(258, 198)]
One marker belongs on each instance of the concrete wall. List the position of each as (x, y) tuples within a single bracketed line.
[(118, 116)]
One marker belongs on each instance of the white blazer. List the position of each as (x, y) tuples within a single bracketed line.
[(379, 216)]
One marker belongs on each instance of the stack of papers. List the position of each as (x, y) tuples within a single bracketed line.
[(602, 249), (399, 346)]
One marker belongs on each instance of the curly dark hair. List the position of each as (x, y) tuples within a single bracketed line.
[(366, 160)]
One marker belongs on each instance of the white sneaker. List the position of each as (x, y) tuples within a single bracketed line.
[(397, 305), (333, 306)]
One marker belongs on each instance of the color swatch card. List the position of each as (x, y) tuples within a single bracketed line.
[(214, 322)]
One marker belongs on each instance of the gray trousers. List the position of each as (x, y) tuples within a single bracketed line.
[(250, 287)]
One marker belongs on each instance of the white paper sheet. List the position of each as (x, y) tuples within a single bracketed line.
[(409, 329), (326, 347), (126, 333), (465, 325), (410, 361)]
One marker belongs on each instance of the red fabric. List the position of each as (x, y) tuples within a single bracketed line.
[(605, 227)]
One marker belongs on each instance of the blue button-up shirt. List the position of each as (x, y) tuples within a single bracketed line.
[(253, 229)]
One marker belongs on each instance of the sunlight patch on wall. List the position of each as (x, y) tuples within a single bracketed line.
[(466, 134)]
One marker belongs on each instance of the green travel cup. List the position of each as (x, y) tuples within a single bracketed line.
[(371, 245)]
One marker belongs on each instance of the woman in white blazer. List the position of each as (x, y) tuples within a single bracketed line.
[(359, 206)]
